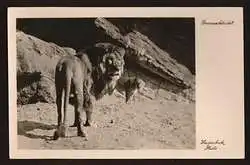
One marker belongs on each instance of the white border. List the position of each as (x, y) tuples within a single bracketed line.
[(219, 80)]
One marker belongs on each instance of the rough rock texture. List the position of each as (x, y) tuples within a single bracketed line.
[(143, 56), (148, 55), (161, 117), (164, 76), (36, 61)]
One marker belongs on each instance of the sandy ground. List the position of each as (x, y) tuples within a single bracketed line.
[(143, 124)]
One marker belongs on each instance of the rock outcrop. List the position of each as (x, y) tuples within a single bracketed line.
[(145, 57), (164, 76), (36, 61), (144, 53)]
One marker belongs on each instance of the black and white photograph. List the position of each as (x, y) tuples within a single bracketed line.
[(126, 83), (106, 83)]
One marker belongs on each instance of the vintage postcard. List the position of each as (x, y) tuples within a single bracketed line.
[(126, 82)]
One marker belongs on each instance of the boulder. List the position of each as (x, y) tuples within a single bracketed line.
[(36, 61), (144, 57), (142, 52), (164, 76)]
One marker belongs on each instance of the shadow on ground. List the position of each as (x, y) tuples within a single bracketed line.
[(24, 128)]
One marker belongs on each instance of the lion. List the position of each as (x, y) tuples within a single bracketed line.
[(131, 86), (84, 77)]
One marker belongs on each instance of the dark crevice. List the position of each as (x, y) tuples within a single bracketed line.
[(26, 79)]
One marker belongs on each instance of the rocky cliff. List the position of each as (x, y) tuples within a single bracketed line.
[(165, 77), (143, 52), (36, 60)]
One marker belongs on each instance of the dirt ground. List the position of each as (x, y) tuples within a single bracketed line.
[(143, 124)]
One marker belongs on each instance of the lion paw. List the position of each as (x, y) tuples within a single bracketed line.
[(81, 134), (56, 135), (87, 124), (92, 124), (74, 125)]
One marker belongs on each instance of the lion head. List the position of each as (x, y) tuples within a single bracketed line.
[(108, 72)]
